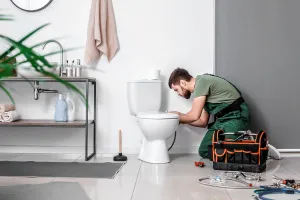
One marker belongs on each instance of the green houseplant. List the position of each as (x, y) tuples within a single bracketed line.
[(38, 62)]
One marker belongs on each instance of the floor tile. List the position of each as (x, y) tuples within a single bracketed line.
[(131, 168), (9, 156), (154, 185), (156, 170), (6, 181), (190, 188), (205, 196), (99, 189), (154, 197), (188, 168), (292, 164)]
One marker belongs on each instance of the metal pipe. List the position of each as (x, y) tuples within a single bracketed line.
[(61, 72), (36, 90)]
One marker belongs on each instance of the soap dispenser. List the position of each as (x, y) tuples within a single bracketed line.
[(60, 109), (71, 108)]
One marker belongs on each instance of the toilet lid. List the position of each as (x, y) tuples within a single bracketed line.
[(157, 115)]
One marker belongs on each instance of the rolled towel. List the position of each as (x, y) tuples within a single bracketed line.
[(1, 118), (6, 107), (10, 116)]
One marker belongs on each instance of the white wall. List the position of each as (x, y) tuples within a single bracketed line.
[(161, 34)]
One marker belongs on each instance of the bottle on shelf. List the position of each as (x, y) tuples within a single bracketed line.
[(60, 109), (70, 108)]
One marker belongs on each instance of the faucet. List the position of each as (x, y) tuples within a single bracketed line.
[(61, 72)]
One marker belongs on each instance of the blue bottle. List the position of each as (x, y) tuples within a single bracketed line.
[(60, 109)]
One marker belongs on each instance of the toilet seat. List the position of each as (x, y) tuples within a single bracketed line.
[(157, 115)]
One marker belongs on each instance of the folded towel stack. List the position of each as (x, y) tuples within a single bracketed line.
[(8, 113)]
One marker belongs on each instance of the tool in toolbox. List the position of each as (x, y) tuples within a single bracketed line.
[(248, 152)]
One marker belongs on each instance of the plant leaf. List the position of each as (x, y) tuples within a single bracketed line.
[(22, 40)]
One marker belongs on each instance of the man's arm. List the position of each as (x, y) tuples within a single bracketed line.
[(195, 113), (202, 121)]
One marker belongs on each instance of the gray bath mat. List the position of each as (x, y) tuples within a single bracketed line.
[(47, 191), (60, 169)]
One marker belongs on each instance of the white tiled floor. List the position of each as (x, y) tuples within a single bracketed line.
[(137, 180)]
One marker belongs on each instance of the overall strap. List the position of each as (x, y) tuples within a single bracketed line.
[(232, 107), (225, 80)]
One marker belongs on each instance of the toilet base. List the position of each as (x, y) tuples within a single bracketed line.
[(154, 151)]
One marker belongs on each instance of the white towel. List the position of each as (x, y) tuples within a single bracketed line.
[(6, 107), (1, 118), (102, 32), (10, 116)]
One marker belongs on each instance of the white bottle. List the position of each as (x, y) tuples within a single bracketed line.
[(71, 108)]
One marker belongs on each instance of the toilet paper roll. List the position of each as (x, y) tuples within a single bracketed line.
[(153, 74)]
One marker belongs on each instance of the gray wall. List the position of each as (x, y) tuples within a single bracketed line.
[(258, 49)]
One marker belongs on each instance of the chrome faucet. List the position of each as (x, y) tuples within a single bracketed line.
[(61, 69)]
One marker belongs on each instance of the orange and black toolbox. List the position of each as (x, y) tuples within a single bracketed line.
[(247, 152)]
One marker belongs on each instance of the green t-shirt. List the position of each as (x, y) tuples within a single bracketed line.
[(216, 89)]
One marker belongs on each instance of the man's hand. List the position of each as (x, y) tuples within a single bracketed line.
[(176, 112)]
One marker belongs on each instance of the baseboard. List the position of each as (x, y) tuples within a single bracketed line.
[(289, 150)]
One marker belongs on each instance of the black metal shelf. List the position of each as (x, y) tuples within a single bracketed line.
[(45, 123), (50, 123), (49, 79)]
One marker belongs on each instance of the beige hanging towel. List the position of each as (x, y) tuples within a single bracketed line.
[(102, 32)]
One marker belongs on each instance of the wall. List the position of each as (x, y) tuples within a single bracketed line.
[(161, 34), (257, 48)]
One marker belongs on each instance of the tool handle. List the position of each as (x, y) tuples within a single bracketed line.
[(120, 141)]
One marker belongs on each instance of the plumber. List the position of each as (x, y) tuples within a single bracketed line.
[(215, 96)]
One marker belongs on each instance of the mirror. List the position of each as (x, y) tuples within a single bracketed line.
[(31, 5)]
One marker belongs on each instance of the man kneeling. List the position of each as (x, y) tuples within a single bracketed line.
[(212, 95)]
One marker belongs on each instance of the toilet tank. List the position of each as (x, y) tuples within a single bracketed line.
[(144, 96)]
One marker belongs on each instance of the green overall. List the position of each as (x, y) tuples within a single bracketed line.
[(231, 122), (219, 94)]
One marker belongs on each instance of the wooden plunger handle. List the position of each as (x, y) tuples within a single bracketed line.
[(120, 141)]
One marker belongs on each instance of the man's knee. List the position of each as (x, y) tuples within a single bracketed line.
[(203, 149), (206, 141), (203, 153)]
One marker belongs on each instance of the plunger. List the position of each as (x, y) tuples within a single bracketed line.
[(120, 156)]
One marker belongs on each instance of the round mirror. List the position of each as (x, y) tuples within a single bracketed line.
[(31, 5)]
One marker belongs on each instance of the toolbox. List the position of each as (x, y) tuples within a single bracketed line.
[(248, 152)]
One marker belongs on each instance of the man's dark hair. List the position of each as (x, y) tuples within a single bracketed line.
[(177, 75)]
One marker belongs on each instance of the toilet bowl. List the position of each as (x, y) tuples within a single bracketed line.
[(156, 128)]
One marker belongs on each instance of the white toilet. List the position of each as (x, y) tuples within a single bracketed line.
[(144, 101)]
